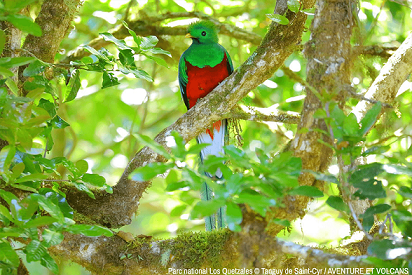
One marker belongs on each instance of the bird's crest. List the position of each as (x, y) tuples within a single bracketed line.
[(203, 24)]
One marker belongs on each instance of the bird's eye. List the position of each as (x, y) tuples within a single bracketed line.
[(203, 33)]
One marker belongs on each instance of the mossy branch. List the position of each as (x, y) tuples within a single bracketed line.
[(216, 250), (54, 19)]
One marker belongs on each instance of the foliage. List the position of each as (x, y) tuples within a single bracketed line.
[(78, 128), (38, 220), (260, 184)]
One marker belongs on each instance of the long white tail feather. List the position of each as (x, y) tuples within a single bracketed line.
[(215, 147)]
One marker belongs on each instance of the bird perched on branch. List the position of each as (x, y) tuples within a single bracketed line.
[(201, 68)]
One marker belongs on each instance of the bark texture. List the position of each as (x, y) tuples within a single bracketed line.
[(54, 18), (216, 250), (328, 71)]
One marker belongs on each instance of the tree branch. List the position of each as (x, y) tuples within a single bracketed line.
[(116, 209), (225, 249), (263, 114), (54, 18), (328, 69), (391, 77), (150, 26)]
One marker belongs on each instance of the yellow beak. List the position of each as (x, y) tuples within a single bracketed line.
[(188, 35)]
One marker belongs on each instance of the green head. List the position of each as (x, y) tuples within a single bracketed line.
[(203, 32)]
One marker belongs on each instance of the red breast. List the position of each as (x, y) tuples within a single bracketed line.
[(202, 81)]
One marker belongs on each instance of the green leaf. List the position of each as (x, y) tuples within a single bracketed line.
[(12, 86), (7, 196), (48, 106), (25, 24), (5, 72), (126, 58), (32, 177), (51, 237), (6, 213), (309, 191), (370, 118), (158, 60), (119, 43), (178, 149), (366, 172), (285, 179), (178, 210), (403, 220), (58, 200), (405, 192), (377, 209), (14, 6), (294, 5), (233, 216), (94, 179), (337, 203), (148, 42), (24, 187), (156, 147), (90, 230), (109, 80), (159, 51), (8, 254), (59, 123), (277, 18), (34, 68), (12, 232), (150, 171), (141, 74), (173, 186), (136, 39), (371, 189), (75, 86), (84, 188), (172, 177), (40, 221), (49, 206), (6, 157), (35, 251), (378, 150), (256, 201), (2, 41), (206, 208), (48, 262), (350, 125), (82, 166), (381, 248), (99, 55)]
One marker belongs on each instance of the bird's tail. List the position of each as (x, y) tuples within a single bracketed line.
[(216, 138)]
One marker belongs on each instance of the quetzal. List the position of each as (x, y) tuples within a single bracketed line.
[(201, 68)]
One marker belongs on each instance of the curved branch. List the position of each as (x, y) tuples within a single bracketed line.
[(117, 209)]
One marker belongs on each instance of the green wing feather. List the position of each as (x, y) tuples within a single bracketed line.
[(183, 79)]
